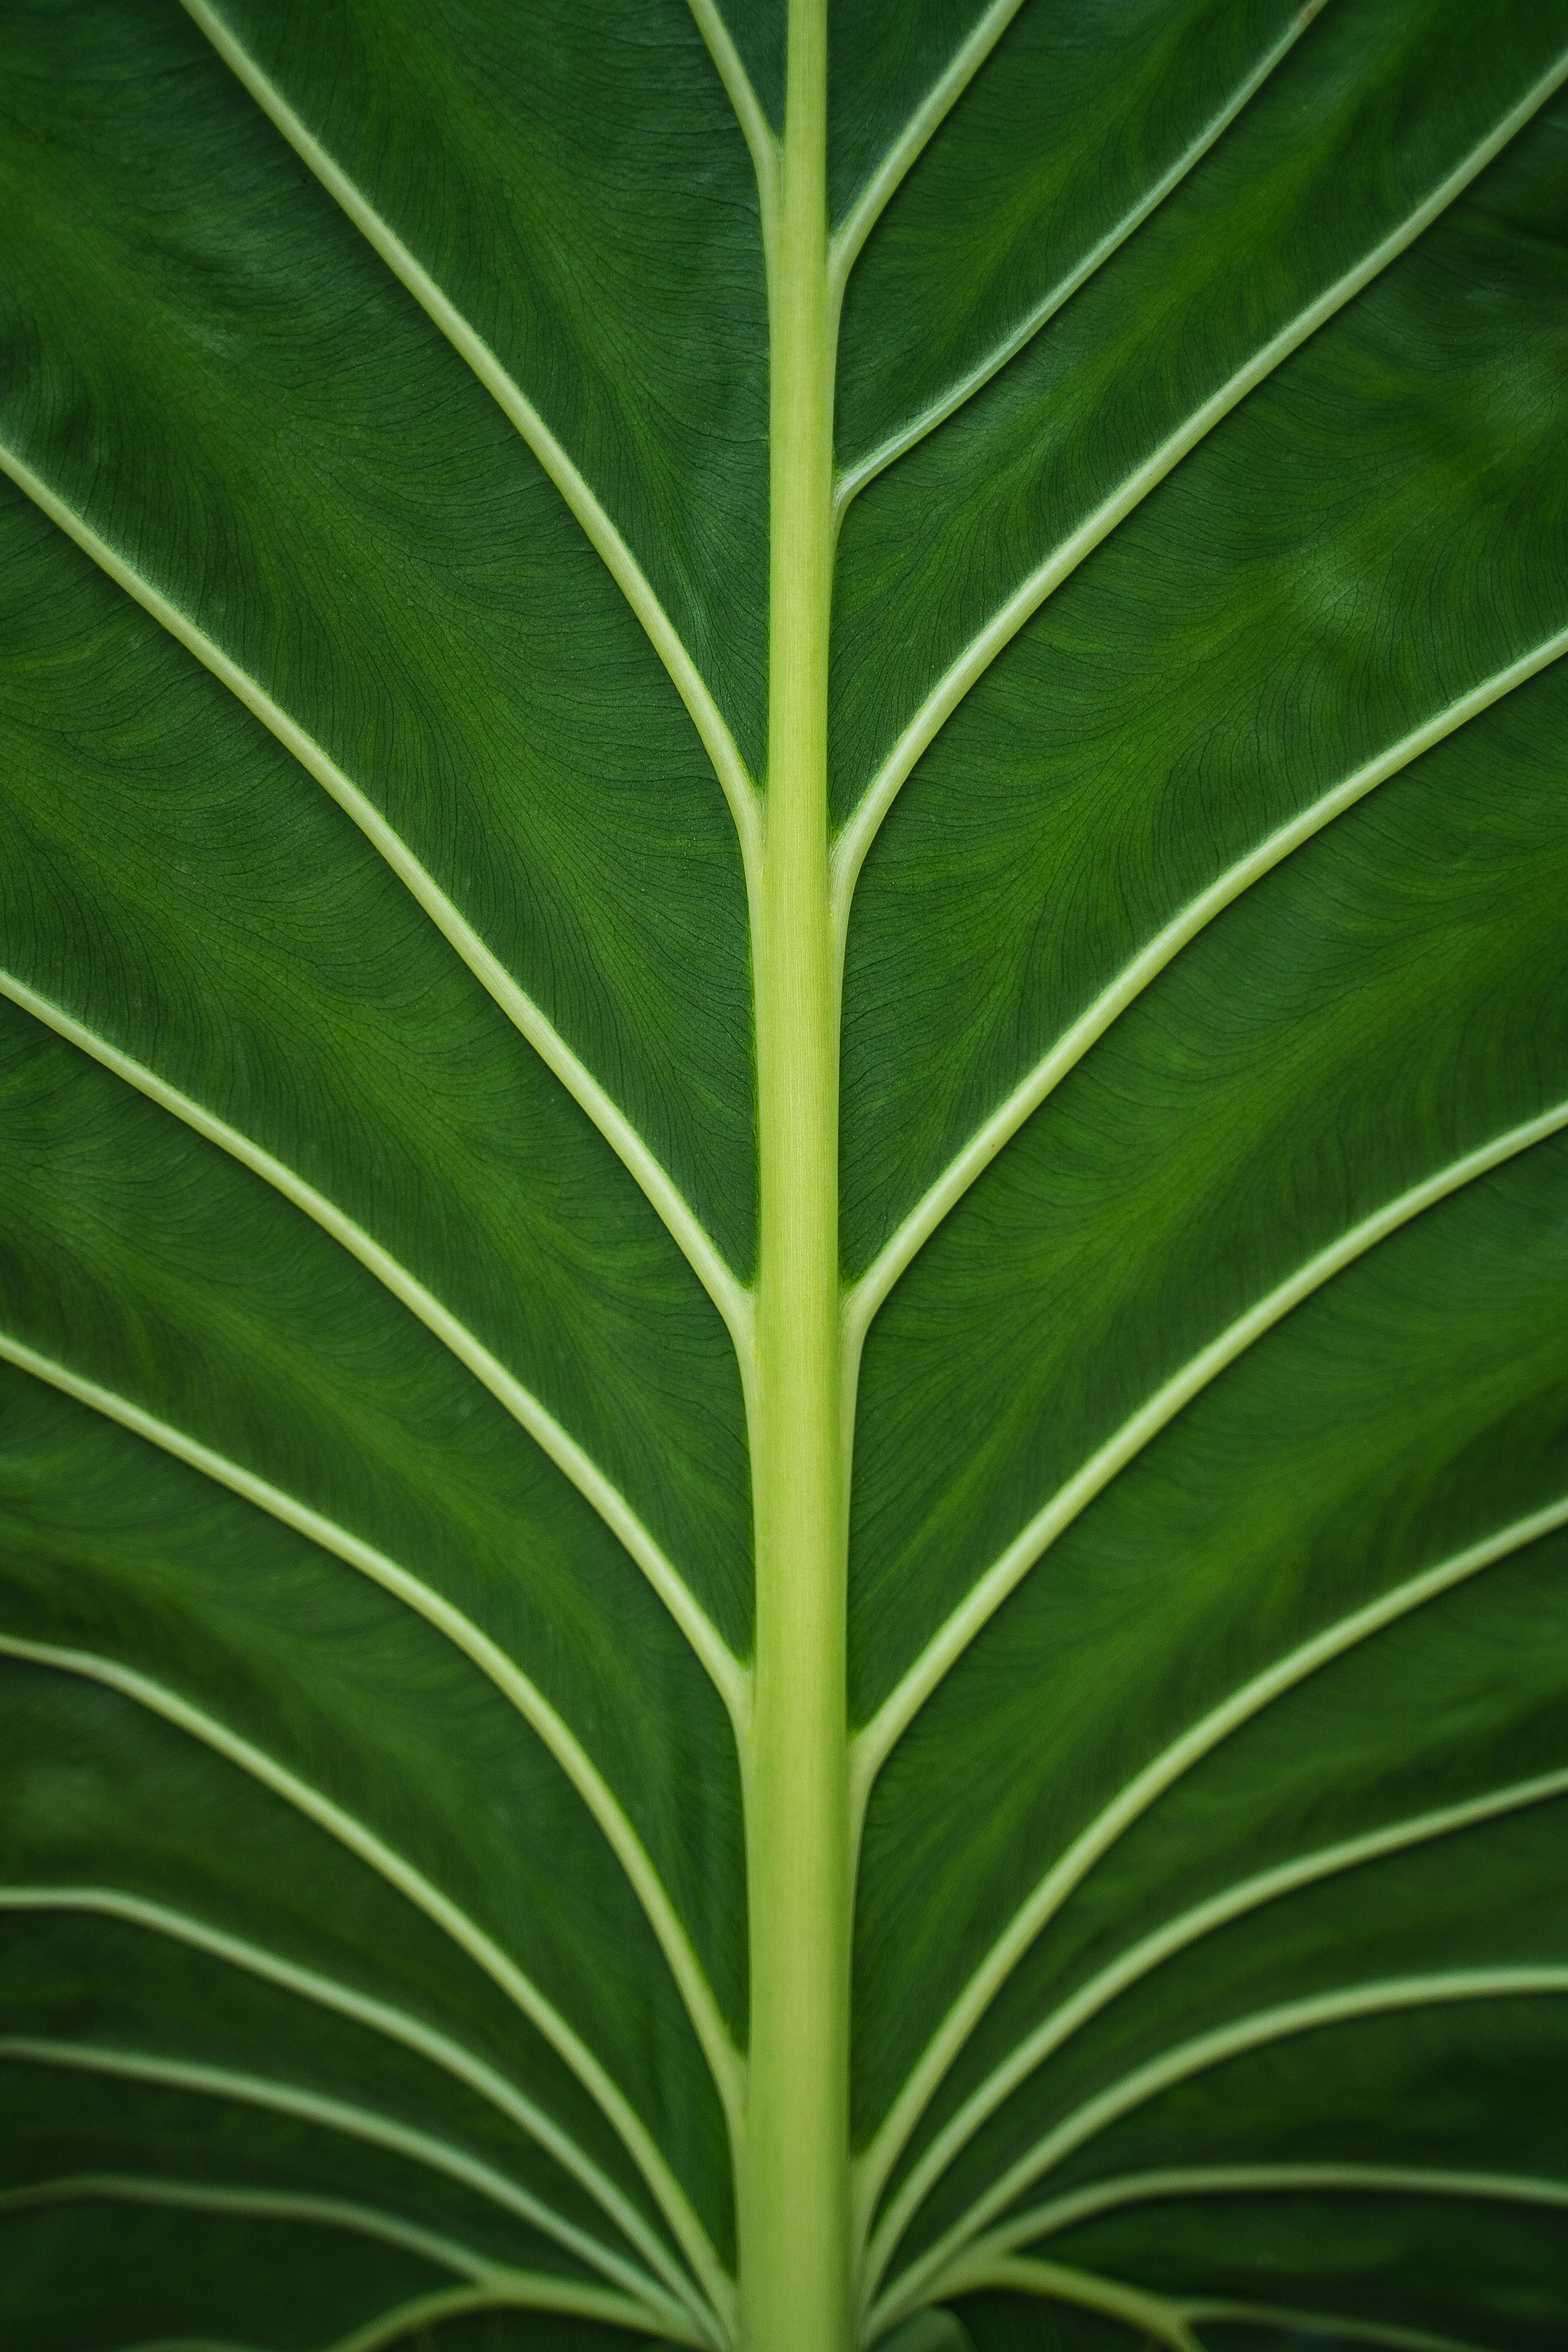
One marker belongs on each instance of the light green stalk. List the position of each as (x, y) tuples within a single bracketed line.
[(795, 2255)]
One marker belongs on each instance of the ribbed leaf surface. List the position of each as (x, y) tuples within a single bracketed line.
[(383, 674)]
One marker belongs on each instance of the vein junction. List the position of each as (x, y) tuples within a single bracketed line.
[(806, 276)]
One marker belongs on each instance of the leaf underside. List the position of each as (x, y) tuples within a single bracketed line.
[(381, 739)]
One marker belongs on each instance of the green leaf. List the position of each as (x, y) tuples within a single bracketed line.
[(740, 747)]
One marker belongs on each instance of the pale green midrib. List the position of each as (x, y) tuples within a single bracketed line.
[(792, 2188), (1263, 2028), (1147, 1785), (1270, 2179), (725, 1671), (874, 1743), (873, 1287), (854, 839), (332, 2113), (443, 1913), (377, 2017), (728, 1294), (259, 2204), (848, 239), (516, 1687), (762, 142), (519, 412), (528, 2291), (1137, 1962), (853, 480)]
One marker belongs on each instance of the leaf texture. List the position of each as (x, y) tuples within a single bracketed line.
[(383, 685)]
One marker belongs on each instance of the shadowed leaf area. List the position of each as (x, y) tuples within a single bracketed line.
[(391, 826)]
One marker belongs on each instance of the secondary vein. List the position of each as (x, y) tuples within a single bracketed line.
[(917, 133), (1128, 1968), (856, 838), (522, 2291), (855, 477), (762, 142), (875, 1742), (732, 1301), (487, 1656), (1284, 2179), (378, 2017), (420, 2147), (519, 412), (868, 1293), (1263, 2028), (724, 1669), (452, 1920), (259, 2204)]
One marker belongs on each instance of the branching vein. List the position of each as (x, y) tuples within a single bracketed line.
[(417, 2145), (725, 1671), (761, 140), (906, 150), (874, 1286), (849, 851), (1177, 1935), (522, 2291), (1157, 2319), (449, 1916), (855, 477), (875, 1742), (1264, 2029), (519, 412), (255, 2204), (1134, 1799), (377, 2017), (734, 1302), (1278, 2179), (491, 1660)]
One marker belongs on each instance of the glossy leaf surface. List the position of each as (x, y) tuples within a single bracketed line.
[(385, 672)]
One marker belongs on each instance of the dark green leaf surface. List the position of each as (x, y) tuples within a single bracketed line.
[(374, 1505)]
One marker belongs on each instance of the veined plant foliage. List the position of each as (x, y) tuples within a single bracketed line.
[(783, 1269)]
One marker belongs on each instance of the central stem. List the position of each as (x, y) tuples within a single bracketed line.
[(795, 2288)]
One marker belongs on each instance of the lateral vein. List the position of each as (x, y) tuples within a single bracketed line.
[(762, 141), (1158, 2318), (732, 1301), (893, 1260), (261, 2204), (873, 1744), (855, 840), (855, 477), (848, 238), (520, 2291), (449, 1916), (724, 1669), (378, 2017), (417, 2145), (1322, 2322), (1178, 1933), (1283, 2179), (519, 412), (490, 1659), (927, 2275)]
